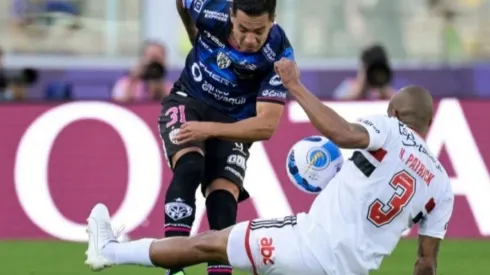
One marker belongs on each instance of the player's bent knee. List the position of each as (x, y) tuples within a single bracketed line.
[(177, 156), (189, 169), (223, 184)]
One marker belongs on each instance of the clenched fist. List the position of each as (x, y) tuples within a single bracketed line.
[(288, 71)]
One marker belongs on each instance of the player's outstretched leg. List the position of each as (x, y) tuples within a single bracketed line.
[(180, 198), (221, 206), (105, 251)]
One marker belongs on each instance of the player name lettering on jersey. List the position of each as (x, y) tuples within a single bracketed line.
[(417, 166)]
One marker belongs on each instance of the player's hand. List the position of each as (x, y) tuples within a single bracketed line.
[(288, 71), (193, 131)]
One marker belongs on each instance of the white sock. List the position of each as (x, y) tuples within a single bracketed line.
[(130, 253)]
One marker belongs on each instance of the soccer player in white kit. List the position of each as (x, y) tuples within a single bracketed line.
[(391, 182)]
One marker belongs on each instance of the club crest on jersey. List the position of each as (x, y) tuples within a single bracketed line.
[(223, 61)]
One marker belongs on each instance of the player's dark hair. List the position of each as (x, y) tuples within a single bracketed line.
[(255, 7)]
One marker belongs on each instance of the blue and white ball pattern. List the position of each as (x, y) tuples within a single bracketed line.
[(312, 163)]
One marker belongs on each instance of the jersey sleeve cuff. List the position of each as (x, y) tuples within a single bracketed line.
[(271, 100), (437, 235), (371, 145)]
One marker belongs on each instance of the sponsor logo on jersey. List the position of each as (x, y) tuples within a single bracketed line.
[(410, 141), (248, 65), (269, 52), (214, 39), (275, 94), (204, 45), (267, 251), (210, 14), (197, 75), (369, 124), (275, 80), (222, 60)]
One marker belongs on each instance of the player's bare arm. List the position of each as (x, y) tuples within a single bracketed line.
[(260, 127), (189, 25), (325, 120), (426, 263)]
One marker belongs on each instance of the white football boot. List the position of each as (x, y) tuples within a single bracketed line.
[(100, 233)]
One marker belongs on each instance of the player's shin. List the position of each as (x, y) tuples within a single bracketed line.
[(175, 252), (221, 208), (180, 197)]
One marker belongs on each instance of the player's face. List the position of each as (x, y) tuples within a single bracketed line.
[(250, 32)]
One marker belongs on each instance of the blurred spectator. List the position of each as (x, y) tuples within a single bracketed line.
[(16, 91), (147, 80), (18, 83), (10, 90), (14, 85), (373, 80)]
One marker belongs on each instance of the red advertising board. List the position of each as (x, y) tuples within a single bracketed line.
[(57, 161)]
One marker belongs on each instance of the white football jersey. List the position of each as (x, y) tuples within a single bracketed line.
[(380, 192)]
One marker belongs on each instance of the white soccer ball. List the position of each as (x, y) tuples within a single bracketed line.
[(312, 163)]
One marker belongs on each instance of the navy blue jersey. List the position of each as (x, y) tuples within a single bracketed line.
[(223, 77)]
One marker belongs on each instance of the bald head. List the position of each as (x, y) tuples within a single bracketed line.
[(412, 105)]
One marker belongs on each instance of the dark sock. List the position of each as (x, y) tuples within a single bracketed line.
[(180, 200), (221, 207)]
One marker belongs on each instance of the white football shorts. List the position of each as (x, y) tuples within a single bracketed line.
[(271, 246)]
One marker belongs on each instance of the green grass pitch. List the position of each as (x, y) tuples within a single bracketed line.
[(457, 257)]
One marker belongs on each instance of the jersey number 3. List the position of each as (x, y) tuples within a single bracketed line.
[(380, 213)]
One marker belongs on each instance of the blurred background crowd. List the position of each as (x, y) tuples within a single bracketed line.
[(132, 50)]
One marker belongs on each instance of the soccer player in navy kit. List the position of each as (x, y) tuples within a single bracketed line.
[(227, 97)]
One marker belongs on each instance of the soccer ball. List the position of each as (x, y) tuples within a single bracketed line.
[(312, 163)]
